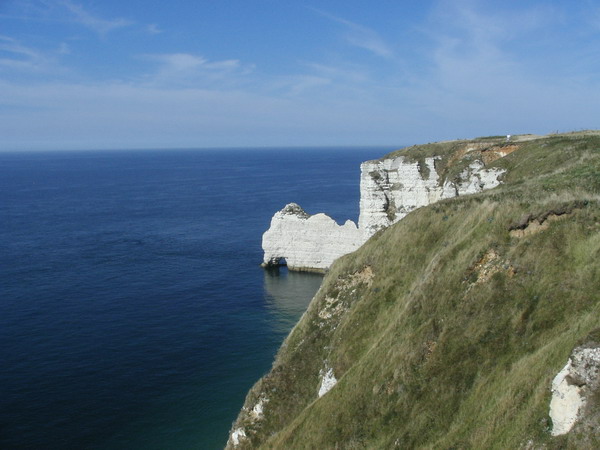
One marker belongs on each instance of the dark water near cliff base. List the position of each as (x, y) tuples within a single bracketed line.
[(133, 312)]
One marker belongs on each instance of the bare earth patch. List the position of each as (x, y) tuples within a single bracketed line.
[(496, 152), (490, 264), (530, 224)]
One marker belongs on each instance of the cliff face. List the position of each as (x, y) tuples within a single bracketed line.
[(393, 187), (390, 188), (471, 323)]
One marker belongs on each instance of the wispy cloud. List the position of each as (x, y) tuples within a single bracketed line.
[(184, 62), (15, 56), (63, 11), (12, 46), (300, 85), (360, 36), (95, 23), (466, 68), (177, 62), (186, 68), (59, 114), (499, 68), (346, 73), (153, 29), (477, 51)]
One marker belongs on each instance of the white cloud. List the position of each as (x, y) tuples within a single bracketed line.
[(361, 36), (479, 55), (308, 110), (346, 73), (10, 45), (178, 62), (153, 29), (303, 84), (85, 18), (369, 40), (470, 76), (185, 67), (15, 56), (63, 11), (481, 73), (130, 115), (228, 64)]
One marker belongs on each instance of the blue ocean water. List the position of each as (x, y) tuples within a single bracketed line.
[(133, 311)]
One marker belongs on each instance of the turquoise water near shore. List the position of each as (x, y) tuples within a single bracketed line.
[(133, 311)]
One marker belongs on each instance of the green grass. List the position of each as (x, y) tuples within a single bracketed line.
[(433, 354)]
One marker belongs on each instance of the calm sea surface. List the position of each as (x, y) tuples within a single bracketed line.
[(133, 311)]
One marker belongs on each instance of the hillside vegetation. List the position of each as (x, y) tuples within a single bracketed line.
[(446, 329)]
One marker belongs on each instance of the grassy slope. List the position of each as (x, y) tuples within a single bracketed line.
[(454, 341)]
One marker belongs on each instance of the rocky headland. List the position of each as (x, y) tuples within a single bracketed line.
[(390, 188), (462, 321)]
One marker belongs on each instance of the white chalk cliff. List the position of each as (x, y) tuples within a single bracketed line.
[(389, 190), (307, 242), (572, 387)]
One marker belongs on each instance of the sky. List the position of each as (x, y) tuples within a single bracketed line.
[(114, 74)]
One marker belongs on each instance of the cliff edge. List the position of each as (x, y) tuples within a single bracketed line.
[(473, 322)]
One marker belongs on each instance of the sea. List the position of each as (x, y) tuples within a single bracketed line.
[(133, 310)]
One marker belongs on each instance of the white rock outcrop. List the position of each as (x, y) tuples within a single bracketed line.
[(258, 409), (566, 402), (307, 242), (389, 190), (572, 387), (237, 436), (328, 381)]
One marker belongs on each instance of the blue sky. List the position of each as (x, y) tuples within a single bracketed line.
[(78, 74)]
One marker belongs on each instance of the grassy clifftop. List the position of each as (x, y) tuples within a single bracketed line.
[(446, 329)]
